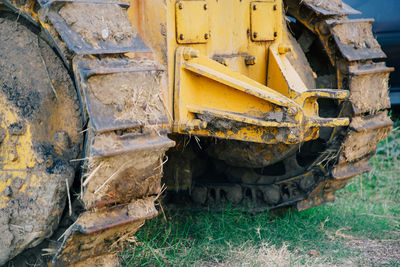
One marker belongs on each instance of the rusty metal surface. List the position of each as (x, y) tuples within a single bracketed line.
[(123, 168), (351, 169), (315, 201), (131, 143), (100, 232)]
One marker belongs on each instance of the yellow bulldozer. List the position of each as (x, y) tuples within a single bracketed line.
[(104, 104)]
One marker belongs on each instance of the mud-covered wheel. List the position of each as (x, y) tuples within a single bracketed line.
[(40, 123)]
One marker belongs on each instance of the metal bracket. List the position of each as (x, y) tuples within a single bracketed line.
[(213, 100)]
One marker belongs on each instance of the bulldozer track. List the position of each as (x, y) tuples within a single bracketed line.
[(124, 154), (348, 149), (103, 223)]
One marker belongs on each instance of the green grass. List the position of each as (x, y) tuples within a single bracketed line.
[(367, 208)]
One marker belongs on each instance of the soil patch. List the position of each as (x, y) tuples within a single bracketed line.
[(376, 252)]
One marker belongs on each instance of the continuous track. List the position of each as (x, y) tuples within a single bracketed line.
[(124, 143), (113, 175), (351, 49)]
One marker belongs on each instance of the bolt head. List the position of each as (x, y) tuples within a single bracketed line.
[(255, 35), (180, 6), (181, 37), (206, 36), (250, 60), (254, 7), (205, 6)]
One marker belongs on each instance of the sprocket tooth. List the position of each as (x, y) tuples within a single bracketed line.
[(367, 132), (103, 231), (355, 40)]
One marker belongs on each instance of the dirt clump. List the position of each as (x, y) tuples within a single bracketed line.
[(122, 178), (35, 89), (136, 95), (363, 142), (370, 92), (357, 34), (98, 22)]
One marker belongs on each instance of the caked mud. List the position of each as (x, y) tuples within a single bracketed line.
[(35, 167)]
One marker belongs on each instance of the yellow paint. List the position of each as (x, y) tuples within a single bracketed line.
[(262, 30), (16, 150), (192, 22), (210, 76), (23, 188), (35, 181)]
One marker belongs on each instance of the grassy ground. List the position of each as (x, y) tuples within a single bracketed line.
[(362, 227)]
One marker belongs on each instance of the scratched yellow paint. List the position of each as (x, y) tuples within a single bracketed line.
[(228, 32), (16, 151), (249, 40), (21, 147)]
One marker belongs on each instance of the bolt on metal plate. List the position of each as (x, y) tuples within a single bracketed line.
[(260, 30), (192, 24)]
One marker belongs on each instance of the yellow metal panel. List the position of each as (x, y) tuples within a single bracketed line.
[(217, 82), (192, 25), (264, 19)]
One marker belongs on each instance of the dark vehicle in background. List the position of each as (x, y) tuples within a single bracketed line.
[(387, 30)]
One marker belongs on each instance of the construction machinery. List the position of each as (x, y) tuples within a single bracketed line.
[(262, 104)]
